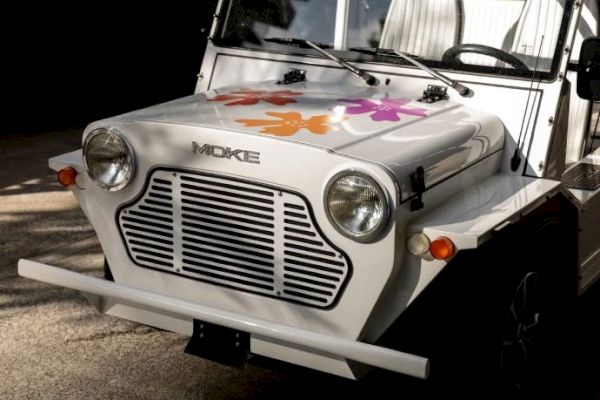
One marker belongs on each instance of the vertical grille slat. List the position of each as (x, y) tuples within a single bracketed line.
[(234, 233)]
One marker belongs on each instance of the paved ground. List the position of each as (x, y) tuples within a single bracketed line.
[(53, 345)]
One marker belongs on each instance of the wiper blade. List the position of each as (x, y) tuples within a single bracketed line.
[(320, 48), (297, 43), (380, 51), (463, 90)]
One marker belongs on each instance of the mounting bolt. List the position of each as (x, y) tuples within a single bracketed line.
[(567, 49), (541, 165), (551, 121), (278, 293), (200, 76), (177, 270), (561, 76), (279, 194), (174, 173), (577, 4)]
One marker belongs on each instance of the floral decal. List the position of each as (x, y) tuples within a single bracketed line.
[(388, 110), (288, 124), (248, 97)]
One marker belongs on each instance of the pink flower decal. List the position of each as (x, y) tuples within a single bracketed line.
[(388, 110), (248, 97)]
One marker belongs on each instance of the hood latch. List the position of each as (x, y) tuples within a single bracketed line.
[(293, 76), (417, 180)]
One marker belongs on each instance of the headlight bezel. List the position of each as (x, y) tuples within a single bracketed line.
[(384, 223), (130, 153)]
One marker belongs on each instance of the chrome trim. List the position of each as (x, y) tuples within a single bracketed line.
[(121, 137), (383, 194)]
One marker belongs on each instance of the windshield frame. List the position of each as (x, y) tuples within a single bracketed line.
[(352, 56)]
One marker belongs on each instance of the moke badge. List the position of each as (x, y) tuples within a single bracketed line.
[(211, 150)]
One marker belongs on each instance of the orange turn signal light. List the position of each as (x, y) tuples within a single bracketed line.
[(442, 248), (67, 176)]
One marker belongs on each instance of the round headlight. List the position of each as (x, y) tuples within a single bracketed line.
[(356, 205), (108, 159)]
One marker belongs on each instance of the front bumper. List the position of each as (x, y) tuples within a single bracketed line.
[(365, 353)]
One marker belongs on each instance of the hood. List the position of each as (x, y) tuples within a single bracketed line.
[(390, 128), (328, 116)]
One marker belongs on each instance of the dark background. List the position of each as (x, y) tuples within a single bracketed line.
[(66, 66)]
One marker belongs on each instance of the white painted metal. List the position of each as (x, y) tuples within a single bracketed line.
[(372, 264), (468, 218), (498, 96), (369, 354), (464, 145), (275, 248), (588, 204), (471, 216), (447, 138), (341, 24)]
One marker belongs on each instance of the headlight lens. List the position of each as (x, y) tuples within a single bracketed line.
[(356, 205), (108, 159)]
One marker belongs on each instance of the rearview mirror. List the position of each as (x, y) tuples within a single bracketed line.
[(588, 80)]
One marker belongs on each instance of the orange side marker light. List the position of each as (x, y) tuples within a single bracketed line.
[(67, 176), (442, 248)]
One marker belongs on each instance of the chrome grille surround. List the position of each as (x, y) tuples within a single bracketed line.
[(233, 233)]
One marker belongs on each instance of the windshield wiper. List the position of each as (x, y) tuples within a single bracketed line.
[(320, 47), (463, 90)]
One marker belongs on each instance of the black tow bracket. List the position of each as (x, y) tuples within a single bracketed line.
[(220, 344), (417, 180)]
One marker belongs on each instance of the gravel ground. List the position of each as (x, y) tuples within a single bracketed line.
[(54, 345)]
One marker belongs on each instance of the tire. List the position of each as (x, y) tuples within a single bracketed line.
[(538, 339), (504, 327)]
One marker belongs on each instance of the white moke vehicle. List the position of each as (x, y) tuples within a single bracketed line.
[(360, 183)]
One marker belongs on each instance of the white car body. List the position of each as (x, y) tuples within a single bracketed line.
[(463, 144)]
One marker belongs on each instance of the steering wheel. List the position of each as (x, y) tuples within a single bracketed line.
[(451, 55)]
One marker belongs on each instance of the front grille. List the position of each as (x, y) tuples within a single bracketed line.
[(233, 233)]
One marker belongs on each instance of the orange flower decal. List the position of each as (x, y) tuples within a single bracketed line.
[(290, 123), (248, 97)]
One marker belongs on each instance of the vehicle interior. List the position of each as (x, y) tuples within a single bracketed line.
[(490, 32)]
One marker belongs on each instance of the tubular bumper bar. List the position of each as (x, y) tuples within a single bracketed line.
[(365, 353)]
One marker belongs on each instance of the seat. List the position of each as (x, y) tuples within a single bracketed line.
[(539, 16), (422, 27), (491, 23)]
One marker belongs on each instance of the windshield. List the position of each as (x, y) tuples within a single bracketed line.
[(512, 37)]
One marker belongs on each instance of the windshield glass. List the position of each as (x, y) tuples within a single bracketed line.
[(494, 36)]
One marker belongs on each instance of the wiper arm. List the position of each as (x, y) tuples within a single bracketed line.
[(463, 90), (320, 48)]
